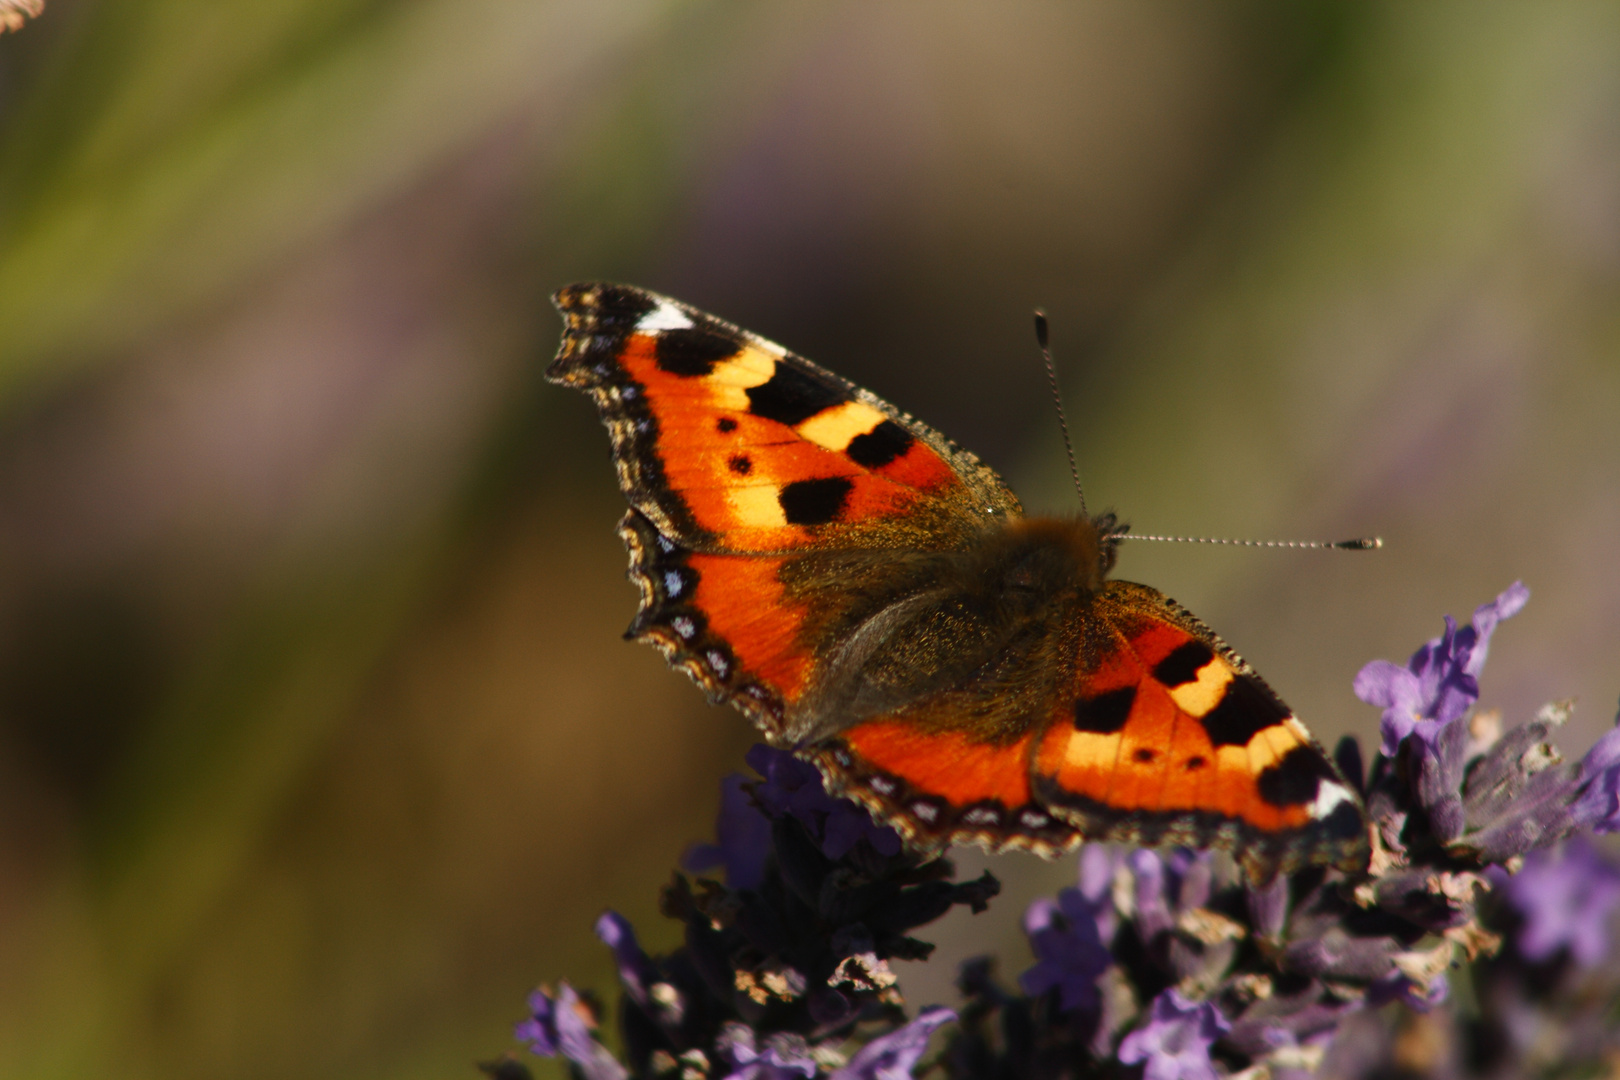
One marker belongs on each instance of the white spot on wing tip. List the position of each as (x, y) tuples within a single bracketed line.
[(1328, 796), (665, 316)]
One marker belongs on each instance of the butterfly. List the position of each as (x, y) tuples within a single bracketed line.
[(873, 597)]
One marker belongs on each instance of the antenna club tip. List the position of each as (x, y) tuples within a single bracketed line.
[(1365, 543), (1040, 327)]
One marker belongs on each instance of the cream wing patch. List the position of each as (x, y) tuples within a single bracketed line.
[(1263, 750), (732, 378), (1089, 750), (757, 506), (836, 427), (1204, 692)]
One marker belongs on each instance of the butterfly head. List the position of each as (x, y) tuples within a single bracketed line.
[(1110, 531), (1046, 558)]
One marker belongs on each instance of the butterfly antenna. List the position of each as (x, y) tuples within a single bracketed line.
[(1043, 338), (1365, 543)]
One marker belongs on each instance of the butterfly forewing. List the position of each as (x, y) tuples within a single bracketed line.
[(728, 442)]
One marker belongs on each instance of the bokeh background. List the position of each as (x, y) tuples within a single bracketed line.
[(318, 743)]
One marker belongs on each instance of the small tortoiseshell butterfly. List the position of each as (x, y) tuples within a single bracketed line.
[(872, 597)]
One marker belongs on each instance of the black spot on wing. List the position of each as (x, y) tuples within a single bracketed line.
[(725, 423), (1145, 755), (1106, 713), (1182, 665), (814, 502), (792, 397), (1245, 708), (1345, 822), (1293, 780), (740, 464), (879, 446), (694, 351)]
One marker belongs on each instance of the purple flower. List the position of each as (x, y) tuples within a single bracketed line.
[(1599, 803), (1567, 900), (559, 1026), (636, 972), (743, 835), (1268, 906), (1417, 996), (1519, 796), (1176, 1039), (1069, 953), (1168, 885), (783, 1057), (539, 1031), (1153, 915), (1098, 865), (792, 786), (1441, 680), (1070, 936), (892, 1056), (1290, 1032), (1438, 757)]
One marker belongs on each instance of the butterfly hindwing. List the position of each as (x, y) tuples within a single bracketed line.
[(1171, 738), (943, 786), (1160, 734), (722, 619)]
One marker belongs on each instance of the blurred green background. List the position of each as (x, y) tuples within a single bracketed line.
[(318, 743)]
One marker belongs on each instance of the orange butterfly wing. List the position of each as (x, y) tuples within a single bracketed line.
[(730, 443), (1172, 738), (1162, 735), (870, 595), (736, 454)]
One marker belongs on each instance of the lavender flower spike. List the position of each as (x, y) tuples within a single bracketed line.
[(539, 1031), (1441, 680), (1599, 804), (1069, 952), (892, 1056), (792, 786), (784, 1056), (558, 1026), (743, 836), (635, 970), (1567, 900), (1176, 1039), (1070, 936)]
